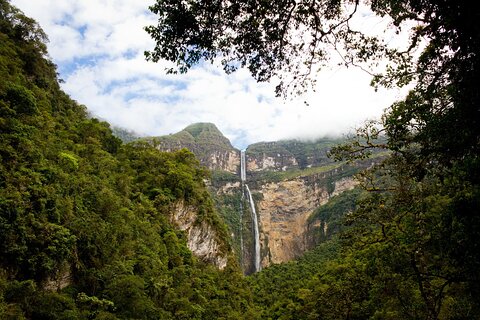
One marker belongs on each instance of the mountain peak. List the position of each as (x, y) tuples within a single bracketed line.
[(204, 139), (206, 134), (196, 129)]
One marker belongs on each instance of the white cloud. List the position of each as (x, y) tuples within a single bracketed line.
[(101, 44)]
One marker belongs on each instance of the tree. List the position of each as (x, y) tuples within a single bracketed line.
[(420, 221), (85, 227), (267, 37)]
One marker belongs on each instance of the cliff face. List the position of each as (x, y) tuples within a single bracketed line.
[(284, 212), (289, 186), (223, 160), (278, 163), (289, 154), (269, 156), (202, 239)]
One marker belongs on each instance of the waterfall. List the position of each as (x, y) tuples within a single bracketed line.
[(256, 233), (241, 229), (243, 166), (242, 178)]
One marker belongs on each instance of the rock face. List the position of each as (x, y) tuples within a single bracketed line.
[(290, 181), (269, 156), (228, 188), (288, 154), (223, 160), (215, 152), (343, 185), (62, 279), (202, 239), (284, 211), (278, 163)]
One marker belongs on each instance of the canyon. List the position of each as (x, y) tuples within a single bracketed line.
[(270, 219)]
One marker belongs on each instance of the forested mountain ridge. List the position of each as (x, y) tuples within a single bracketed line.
[(89, 227), (216, 152)]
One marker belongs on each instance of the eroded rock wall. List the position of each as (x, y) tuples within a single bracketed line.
[(224, 160), (284, 211), (278, 162), (202, 239)]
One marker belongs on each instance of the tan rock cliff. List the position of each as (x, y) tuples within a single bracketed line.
[(265, 162), (202, 239), (224, 160), (283, 213)]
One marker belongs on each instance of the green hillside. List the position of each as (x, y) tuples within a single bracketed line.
[(84, 219)]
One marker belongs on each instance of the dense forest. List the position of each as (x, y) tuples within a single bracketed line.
[(84, 227), (85, 231)]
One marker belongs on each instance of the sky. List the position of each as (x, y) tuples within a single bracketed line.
[(98, 46)]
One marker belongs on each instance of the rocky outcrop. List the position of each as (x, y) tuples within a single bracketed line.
[(62, 279), (223, 160), (269, 156), (202, 239), (343, 184), (289, 154), (229, 188), (283, 213), (278, 162)]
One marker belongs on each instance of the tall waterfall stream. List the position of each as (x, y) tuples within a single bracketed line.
[(256, 233)]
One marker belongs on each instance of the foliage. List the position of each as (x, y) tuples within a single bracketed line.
[(203, 139), (219, 177), (204, 135), (228, 206), (329, 219), (125, 135), (85, 229), (411, 250), (415, 230), (84, 219), (281, 288), (289, 40)]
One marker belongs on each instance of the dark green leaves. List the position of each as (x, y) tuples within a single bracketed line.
[(21, 99), (286, 39)]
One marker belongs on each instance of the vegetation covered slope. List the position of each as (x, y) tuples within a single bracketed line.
[(200, 135), (84, 220)]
